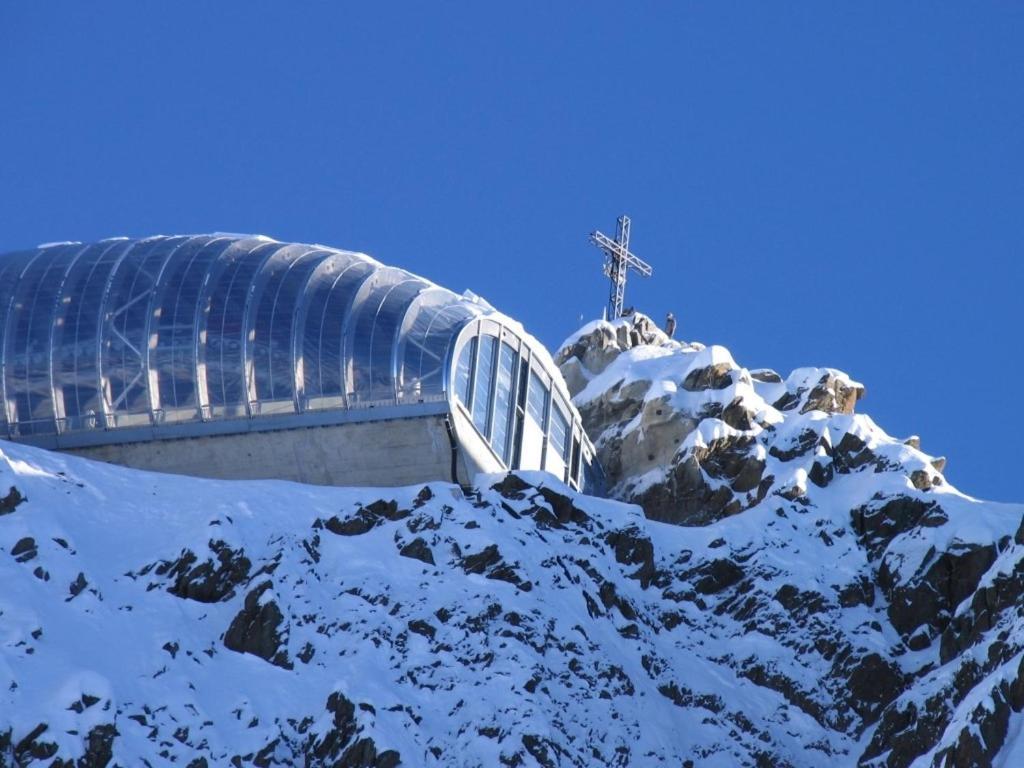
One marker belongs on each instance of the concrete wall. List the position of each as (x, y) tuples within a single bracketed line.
[(378, 453)]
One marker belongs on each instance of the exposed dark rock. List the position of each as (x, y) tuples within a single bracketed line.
[(821, 472), (873, 684), (633, 548), (30, 748), (512, 487), (352, 526), (424, 628), (423, 497), (904, 734), (833, 395), (800, 603), (716, 376), (787, 402), (924, 480), (24, 550), (565, 511), (256, 629), (687, 498), (77, 586), (852, 454), (11, 501), (761, 675), (620, 404), (766, 375), (929, 598), (418, 549), (207, 582), (340, 747), (682, 696), (880, 522), (859, 592), (803, 443), (1006, 591), (717, 575), (736, 415), (367, 518), (99, 747), (546, 752), (482, 560)]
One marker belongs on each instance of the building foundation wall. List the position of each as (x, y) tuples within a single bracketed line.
[(389, 453)]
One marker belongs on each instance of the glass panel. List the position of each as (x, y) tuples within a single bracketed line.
[(574, 471), (519, 416), (535, 424), (76, 338), (11, 268), (272, 314), (537, 400), (558, 452), (373, 334), (174, 354), (464, 372), (223, 354), (503, 400), (28, 373), (330, 295), (482, 391), (284, 343), (431, 327), (123, 341)]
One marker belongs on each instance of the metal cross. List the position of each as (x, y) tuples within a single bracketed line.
[(617, 262)]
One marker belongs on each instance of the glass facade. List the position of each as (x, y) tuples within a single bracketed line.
[(482, 381), (517, 407), (507, 359), (129, 333), (127, 340)]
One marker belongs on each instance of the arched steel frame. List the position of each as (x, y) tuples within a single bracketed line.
[(171, 330), (130, 340)]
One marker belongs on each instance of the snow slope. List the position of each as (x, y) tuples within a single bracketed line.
[(831, 607), (846, 543)]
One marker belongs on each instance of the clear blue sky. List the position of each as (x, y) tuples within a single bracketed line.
[(814, 185)]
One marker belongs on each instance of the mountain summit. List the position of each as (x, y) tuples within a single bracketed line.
[(786, 584)]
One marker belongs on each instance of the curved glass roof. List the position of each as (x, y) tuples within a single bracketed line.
[(130, 333)]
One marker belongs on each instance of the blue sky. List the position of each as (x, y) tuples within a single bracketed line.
[(835, 185)]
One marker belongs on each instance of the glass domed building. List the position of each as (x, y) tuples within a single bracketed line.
[(237, 356)]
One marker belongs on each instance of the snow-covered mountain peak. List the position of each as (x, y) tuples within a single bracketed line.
[(798, 588)]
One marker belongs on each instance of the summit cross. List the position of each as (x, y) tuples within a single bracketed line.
[(617, 263)]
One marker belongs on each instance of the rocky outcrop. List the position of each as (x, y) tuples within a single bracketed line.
[(696, 440), (818, 596), (207, 581), (10, 502), (259, 628), (343, 744)]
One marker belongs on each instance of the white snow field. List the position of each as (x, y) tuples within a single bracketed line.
[(151, 619)]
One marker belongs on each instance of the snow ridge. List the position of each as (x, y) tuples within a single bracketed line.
[(798, 588)]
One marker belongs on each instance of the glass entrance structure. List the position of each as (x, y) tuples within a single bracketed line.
[(125, 341)]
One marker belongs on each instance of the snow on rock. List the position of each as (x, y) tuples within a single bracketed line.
[(905, 590), (798, 589), (684, 431)]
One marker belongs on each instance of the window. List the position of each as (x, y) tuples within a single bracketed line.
[(537, 400), (482, 391), (464, 372), (559, 432), (503, 400)]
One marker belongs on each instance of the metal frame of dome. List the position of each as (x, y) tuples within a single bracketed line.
[(123, 341)]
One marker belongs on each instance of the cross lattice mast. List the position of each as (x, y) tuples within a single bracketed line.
[(617, 263)]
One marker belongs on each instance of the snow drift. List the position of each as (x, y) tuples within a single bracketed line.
[(811, 592)]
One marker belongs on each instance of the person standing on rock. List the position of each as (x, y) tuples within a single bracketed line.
[(670, 325)]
